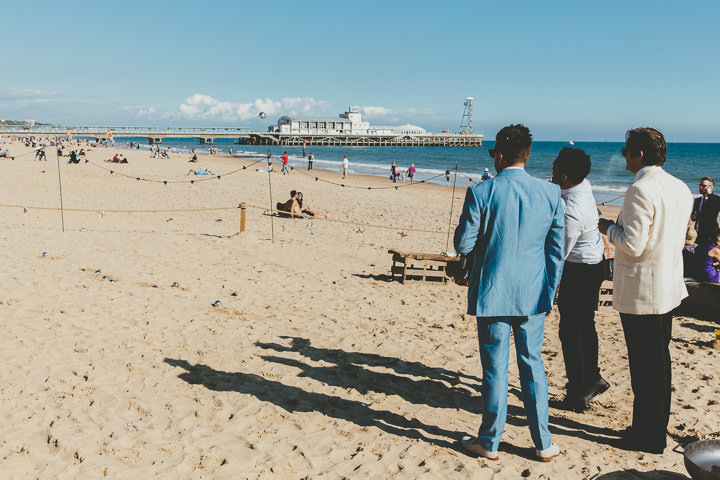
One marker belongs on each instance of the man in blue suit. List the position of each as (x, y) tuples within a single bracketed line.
[(514, 225)]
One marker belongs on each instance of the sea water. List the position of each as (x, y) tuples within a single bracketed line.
[(610, 180)]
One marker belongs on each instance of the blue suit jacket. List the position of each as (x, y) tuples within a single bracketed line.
[(516, 225)]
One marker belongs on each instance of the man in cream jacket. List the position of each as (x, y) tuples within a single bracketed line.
[(648, 280)]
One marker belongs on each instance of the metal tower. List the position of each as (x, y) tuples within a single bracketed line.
[(467, 124)]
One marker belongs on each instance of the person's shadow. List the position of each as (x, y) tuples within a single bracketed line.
[(294, 399), (431, 389), (636, 475)]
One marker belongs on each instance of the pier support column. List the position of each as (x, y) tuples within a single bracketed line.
[(154, 140)]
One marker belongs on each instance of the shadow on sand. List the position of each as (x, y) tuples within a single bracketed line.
[(432, 386)]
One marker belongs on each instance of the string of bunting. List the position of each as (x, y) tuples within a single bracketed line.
[(13, 157), (165, 182), (350, 222), (180, 210), (318, 179)]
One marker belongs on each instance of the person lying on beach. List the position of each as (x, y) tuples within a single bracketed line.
[(305, 208), (199, 172)]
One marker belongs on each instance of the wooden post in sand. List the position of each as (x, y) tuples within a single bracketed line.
[(243, 207)]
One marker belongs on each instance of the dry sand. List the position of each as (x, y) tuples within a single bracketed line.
[(315, 365)]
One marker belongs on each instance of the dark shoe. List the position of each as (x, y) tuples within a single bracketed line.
[(574, 404), (640, 443), (595, 389)]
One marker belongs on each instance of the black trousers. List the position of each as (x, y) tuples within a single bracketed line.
[(648, 338), (577, 302)]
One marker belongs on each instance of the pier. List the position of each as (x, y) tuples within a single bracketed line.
[(246, 136)]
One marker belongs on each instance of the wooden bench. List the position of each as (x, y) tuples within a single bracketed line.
[(420, 266), (606, 294)]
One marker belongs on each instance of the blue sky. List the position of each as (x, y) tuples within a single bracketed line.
[(567, 69)]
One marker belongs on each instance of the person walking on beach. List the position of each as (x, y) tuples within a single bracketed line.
[(411, 172), (345, 165), (648, 280), (581, 279), (515, 227), (706, 208), (285, 162), (447, 178), (310, 160)]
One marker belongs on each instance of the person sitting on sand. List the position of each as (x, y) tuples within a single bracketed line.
[(707, 256), (290, 208), (73, 157), (193, 159), (305, 208), (81, 153)]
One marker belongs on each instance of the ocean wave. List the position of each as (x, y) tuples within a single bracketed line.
[(608, 189)]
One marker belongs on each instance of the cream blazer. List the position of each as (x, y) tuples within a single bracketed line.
[(649, 237)]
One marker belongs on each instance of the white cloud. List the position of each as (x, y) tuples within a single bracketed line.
[(145, 112), (205, 107), (25, 94), (376, 111)]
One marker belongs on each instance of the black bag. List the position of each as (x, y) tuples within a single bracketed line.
[(460, 271), (608, 267)]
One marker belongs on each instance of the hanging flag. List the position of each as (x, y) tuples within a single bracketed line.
[(109, 134)]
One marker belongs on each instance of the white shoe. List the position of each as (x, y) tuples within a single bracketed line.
[(471, 445), (548, 454)]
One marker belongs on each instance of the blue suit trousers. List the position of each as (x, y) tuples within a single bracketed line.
[(494, 339)]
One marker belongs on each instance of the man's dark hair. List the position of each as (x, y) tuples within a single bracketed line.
[(649, 141), (514, 142), (293, 193), (709, 179), (574, 163)]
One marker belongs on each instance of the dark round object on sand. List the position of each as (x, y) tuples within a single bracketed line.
[(702, 459)]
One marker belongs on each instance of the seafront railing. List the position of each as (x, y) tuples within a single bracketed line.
[(140, 131)]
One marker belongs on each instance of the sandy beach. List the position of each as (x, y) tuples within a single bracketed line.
[(314, 363)]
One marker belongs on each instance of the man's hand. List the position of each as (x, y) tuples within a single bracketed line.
[(604, 224)]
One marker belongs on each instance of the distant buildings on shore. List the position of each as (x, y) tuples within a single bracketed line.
[(347, 123)]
